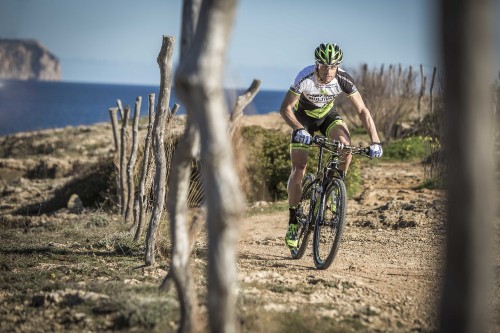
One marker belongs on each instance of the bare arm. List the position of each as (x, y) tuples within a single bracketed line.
[(365, 116), (286, 110)]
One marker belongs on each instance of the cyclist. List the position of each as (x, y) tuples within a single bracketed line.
[(309, 107)]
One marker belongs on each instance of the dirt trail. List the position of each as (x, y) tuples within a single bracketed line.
[(387, 271), (386, 276)]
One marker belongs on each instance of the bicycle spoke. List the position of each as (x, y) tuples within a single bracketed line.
[(328, 234), (303, 215)]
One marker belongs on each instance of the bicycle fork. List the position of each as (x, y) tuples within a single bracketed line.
[(318, 205)]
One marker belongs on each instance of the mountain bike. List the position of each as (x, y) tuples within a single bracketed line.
[(323, 204)]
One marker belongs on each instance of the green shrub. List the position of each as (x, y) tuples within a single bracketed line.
[(410, 148), (98, 221), (433, 184), (268, 165), (353, 177)]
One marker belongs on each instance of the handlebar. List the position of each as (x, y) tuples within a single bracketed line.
[(334, 145)]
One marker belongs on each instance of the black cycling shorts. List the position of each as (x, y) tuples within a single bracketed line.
[(312, 125)]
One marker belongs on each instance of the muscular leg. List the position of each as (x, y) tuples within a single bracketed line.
[(299, 163), (340, 133)]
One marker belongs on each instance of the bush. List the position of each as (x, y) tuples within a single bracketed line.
[(353, 177), (410, 148), (268, 163), (269, 166)]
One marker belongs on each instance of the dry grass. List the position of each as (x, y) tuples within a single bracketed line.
[(391, 95)]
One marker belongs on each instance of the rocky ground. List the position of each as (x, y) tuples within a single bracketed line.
[(76, 269)]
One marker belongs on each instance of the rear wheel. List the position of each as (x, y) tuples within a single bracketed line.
[(303, 217), (328, 231)]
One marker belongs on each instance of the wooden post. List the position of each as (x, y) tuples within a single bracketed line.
[(120, 108), (123, 158), (381, 73), (409, 81), (165, 63), (174, 109), (431, 92), (423, 79), (241, 102), (467, 39), (364, 71), (495, 110), (187, 148), (391, 82), (145, 169), (244, 99), (198, 83), (114, 125), (132, 160)]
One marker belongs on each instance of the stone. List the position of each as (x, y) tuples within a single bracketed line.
[(75, 204)]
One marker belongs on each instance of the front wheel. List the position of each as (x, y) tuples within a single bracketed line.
[(304, 216), (328, 230)]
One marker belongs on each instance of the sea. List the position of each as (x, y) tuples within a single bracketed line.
[(36, 105)]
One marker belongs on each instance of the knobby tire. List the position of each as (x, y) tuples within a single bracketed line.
[(328, 232), (303, 216)]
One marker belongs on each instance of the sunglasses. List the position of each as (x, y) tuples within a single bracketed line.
[(323, 66)]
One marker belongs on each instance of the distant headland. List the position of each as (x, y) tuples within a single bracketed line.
[(27, 60)]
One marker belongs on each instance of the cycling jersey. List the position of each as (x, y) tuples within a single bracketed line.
[(316, 98)]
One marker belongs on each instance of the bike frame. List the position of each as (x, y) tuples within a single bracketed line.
[(323, 177)]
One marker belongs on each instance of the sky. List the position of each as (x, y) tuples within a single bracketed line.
[(117, 41)]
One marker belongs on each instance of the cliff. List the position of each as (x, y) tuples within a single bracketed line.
[(27, 60)]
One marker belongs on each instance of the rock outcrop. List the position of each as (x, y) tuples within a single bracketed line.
[(27, 60)]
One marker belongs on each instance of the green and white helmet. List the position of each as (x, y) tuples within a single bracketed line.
[(328, 54)]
